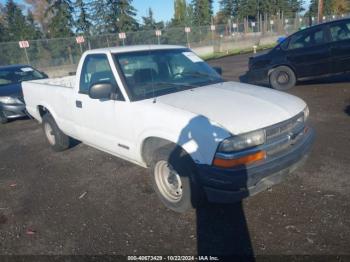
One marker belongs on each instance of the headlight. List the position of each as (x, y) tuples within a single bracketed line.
[(9, 100), (306, 113), (244, 141)]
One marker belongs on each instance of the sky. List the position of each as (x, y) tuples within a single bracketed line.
[(162, 9)]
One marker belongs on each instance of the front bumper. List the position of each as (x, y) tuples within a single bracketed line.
[(13, 110), (259, 76), (232, 185)]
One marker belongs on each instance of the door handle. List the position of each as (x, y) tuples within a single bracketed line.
[(78, 104)]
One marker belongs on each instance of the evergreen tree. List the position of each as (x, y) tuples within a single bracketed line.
[(39, 9), (149, 23), (14, 22), (294, 7), (126, 16), (228, 8), (115, 16), (180, 13), (189, 15), (32, 29), (83, 23), (61, 22), (246, 8), (2, 27), (202, 11)]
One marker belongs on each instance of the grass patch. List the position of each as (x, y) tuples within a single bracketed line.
[(237, 51)]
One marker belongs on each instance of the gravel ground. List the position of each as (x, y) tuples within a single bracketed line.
[(83, 201)]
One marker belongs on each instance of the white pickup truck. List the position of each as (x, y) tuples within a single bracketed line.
[(164, 108)]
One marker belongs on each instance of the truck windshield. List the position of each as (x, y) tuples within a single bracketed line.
[(154, 73)]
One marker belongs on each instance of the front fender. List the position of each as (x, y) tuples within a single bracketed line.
[(199, 137), (170, 136)]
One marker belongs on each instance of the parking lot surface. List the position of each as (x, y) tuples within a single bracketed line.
[(84, 201)]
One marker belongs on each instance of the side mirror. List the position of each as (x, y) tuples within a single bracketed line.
[(218, 70), (101, 90)]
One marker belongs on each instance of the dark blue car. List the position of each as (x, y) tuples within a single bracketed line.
[(318, 51), (11, 96)]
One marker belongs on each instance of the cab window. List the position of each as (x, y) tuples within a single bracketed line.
[(96, 69)]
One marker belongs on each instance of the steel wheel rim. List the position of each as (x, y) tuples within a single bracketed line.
[(49, 134), (283, 78), (168, 181)]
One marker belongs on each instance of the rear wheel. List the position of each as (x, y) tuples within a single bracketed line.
[(56, 138), (173, 179), (282, 78), (3, 118)]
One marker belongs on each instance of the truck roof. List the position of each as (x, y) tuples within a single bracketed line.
[(121, 49)]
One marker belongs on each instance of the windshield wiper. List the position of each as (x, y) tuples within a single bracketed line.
[(177, 85), (201, 74)]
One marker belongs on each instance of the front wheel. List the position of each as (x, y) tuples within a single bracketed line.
[(173, 179), (282, 78)]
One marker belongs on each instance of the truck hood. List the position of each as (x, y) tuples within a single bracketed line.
[(237, 107)]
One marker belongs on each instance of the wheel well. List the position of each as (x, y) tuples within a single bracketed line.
[(151, 145), (42, 111)]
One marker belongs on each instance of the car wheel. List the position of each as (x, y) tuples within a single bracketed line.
[(3, 118), (173, 179), (282, 78), (56, 138)]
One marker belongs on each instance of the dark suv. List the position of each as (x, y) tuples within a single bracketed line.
[(318, 51)]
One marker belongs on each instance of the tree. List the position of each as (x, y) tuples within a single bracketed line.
[(180, 13), (32, 29), (114, 16), (340, 6), (189, 15), (228, 8), (14, 22), (246, 8), (126, 16), (61, 22), (2, 27), (330, 7), (83, 23), (293, 7), (149, 23), (39, 9), (202, 11)]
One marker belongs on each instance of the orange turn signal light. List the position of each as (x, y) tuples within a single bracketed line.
[(245, 160)]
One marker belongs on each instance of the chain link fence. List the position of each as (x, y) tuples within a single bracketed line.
[(60, 56)]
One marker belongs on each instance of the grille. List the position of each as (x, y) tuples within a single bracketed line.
[(284, 128), (280, 136)]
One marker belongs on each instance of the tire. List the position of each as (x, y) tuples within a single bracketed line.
[(3, 118), (282, 78), (54, 136), (174, 179)]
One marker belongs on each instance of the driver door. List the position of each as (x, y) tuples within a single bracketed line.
[(102, 123)]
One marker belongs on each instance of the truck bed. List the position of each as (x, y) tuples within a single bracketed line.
[(56, 95), (67, 81)]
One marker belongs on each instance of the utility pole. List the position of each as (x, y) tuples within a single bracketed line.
[(320, 11)]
